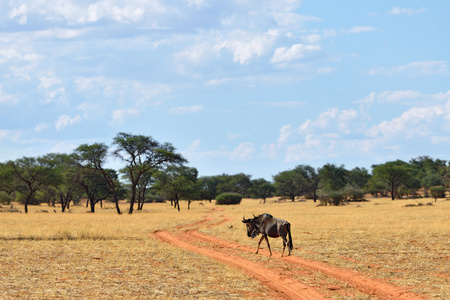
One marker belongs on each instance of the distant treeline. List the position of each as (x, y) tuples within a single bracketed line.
[(153, 171)]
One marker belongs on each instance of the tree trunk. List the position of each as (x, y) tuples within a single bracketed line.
[(26, 203), (92, 205), (117, 205)]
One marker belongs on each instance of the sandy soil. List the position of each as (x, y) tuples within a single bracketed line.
[(285, 283)]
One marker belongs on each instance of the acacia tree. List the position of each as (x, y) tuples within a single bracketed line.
[(142, 154), (394, 174), (208, 186), (144, 185), (238, 183), (309, 179), (333, 177), (177, 182), (262, 189), (94, 157), (289, 184), (6, 178), (95, 186), (33, 174), (67, 188)]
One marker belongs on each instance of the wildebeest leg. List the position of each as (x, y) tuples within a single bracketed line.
[(259, 243), (284, 247), (267, 240)]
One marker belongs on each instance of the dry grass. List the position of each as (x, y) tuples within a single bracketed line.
[(407, 246), (104, 255)]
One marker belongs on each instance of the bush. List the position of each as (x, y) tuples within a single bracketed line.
[(354, 194), (228, 198), (5, 198), (437, 192), (332, 197), (336, 197), (153, 198)]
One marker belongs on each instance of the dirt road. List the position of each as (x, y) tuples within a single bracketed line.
[(284, 282)]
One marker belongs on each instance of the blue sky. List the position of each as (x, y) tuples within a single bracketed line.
[(257, 87)]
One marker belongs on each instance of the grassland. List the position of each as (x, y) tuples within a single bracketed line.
[(104, 255)]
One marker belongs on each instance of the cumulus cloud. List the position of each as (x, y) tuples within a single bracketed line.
[(246, 45), (415, 122), (331, 119), (65, 120), (285, 132), (244, 151), (297, 51)]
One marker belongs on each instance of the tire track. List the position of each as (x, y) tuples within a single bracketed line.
[(279, 281)]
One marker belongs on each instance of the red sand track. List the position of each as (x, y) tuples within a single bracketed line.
[(282, 282)]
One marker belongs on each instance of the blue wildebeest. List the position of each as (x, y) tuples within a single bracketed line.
[(269, 226)]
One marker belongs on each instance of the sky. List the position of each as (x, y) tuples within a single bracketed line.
[(239, 86)]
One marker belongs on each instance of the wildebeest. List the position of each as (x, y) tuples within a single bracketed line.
[(269, 226)]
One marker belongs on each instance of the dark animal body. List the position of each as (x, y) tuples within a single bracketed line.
[(269, 226)]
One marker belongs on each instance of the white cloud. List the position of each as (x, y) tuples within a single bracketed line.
[(20, 12), (74, 13), (285, 132), (414, 69), (405, 11), (313, 147), (243, 152), (10, 135), (6, 98), (63, 147), (361, 29), (65, 120), (415, 122), (41, 126), (245, 45), (60, 33), (119, 115), (269, 151), (297, 51), (11, 54), (182, 110), (333, 119), (48, 81)]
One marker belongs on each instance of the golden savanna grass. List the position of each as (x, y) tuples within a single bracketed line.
[(104, 255)]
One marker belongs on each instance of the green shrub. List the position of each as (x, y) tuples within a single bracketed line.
[(153, 198), (437, 192), (228, 198), (5, 198), (336, 197), (354, 194)]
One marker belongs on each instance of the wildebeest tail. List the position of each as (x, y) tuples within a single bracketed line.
[(290, 237)]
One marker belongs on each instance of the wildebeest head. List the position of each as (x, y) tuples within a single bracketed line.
[(252, 225)]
